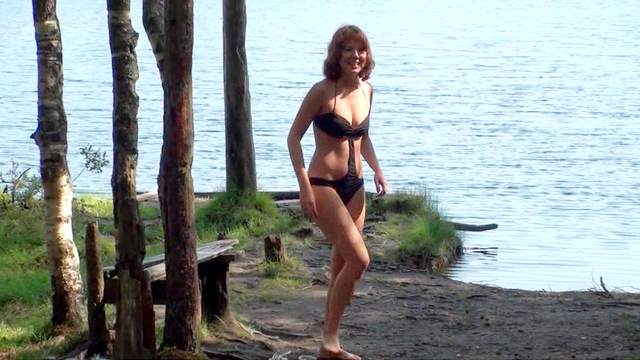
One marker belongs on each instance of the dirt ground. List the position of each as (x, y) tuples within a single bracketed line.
[(400, 312)]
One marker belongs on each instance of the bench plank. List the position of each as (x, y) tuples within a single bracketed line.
[(154, 265), (214, 255)]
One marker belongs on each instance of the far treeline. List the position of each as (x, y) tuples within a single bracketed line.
[(169, 28)]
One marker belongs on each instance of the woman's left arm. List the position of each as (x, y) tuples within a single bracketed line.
[(369, 155)]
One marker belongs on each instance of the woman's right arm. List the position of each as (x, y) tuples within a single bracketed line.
[(309, 107)]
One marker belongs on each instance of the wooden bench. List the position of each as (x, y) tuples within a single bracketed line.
[(213, 266)]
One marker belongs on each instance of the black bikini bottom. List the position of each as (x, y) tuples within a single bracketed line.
[(345, 187)]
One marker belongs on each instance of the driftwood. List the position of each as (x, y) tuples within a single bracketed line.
[(469, 227)]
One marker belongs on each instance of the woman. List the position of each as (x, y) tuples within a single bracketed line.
[(331, 192)]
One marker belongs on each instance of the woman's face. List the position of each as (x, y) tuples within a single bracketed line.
[(353, 57)]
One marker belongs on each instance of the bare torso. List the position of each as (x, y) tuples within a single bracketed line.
[(331, 154)]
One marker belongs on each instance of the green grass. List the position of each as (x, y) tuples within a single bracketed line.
[(428, 237), (241, 216), (26, 333), (280, 289), (282, 280), (25, 290), (293, 268), (25, 328), (93, 206), (422, 232), (400, 203)]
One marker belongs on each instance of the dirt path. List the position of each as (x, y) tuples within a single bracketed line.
[(402, 313)]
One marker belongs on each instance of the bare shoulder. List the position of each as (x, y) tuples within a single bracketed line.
[(318, 95), (368, 88), (320, 88)]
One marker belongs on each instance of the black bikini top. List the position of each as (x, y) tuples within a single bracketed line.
[(337, 126)]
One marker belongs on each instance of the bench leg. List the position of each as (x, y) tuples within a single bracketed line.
[(215, 298)]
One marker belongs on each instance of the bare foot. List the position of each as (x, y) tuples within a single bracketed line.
[(337, 355)]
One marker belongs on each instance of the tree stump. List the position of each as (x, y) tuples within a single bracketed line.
[(274, 249)]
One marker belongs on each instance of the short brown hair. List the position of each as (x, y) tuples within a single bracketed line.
[(345, 33)]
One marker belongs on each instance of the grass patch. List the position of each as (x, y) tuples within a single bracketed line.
[(425, 237), (399, 203), (26, 286), (25, 310), (93, 206), (293, 268), (282, 280), (154, 234), (280, 289), (631, 325), (242, 216)]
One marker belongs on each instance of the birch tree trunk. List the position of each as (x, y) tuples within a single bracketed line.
[(135, 324), (175, 185), (51, 138), (153, 22), (240, 153)]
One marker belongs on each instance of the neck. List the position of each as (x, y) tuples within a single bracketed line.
[(349, 81)]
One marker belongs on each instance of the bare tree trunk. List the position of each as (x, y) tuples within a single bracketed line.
[(240, 153), (51, 138), (153, 22), (175, 185), (132, 319), (98, 334)]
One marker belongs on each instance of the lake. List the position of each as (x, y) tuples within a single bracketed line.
[(522, 113)]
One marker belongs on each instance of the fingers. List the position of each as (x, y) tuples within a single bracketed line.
[(310, 210), (381, 186)]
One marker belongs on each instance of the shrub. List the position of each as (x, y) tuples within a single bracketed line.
[(242, 214), (424, 234)]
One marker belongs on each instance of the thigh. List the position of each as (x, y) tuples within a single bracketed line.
[(335, 221), (357, 208)]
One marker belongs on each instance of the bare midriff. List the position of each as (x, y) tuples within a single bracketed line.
[(331, 156)]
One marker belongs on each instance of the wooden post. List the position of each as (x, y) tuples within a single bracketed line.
[(135, 328), (175, 185), (215, 296), (240, 153), (98, 334), (274, 249)]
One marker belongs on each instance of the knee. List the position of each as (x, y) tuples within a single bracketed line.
[(359, 266)]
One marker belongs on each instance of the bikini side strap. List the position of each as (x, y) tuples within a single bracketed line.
[(335, 95), (370, 101)]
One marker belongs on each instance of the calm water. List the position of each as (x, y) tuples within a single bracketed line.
[(524, 113)]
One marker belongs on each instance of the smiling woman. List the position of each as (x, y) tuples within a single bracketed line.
[(332, 192)]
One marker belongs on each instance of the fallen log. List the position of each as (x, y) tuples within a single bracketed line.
[(469, 227)]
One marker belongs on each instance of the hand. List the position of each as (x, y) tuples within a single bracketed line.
[(381, 183), (308, 204)]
